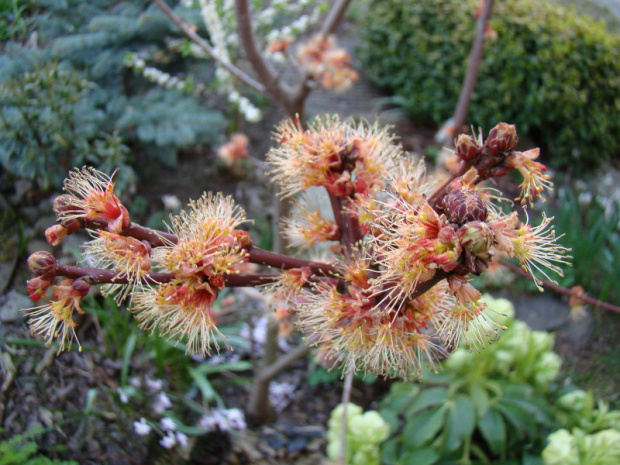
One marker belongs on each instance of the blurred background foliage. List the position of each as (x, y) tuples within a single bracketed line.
[(552, 72), (69, 99)]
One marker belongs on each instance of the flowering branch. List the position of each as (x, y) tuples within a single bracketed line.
[(397, 281)]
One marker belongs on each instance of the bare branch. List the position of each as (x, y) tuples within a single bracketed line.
[(469, 84), (334, 17), (272, 85), (204, 45), (562, 290)]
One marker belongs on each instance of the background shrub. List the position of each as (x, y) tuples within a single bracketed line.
[(551, 72), (71, 74)]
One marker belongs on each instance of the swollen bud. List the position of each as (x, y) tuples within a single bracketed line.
[(466, 147), (503, 138), (42, 264), (463, 205), (37, 288), (80, 287)]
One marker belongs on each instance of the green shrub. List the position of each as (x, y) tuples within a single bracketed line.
[(91, 40), (482, 406), (554, 74), (50, 123), (590, 226)]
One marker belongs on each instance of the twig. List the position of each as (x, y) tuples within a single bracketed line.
[(469, 84), (346, 397), (284, 362), (277, 89), (561, 290), (204, 45)]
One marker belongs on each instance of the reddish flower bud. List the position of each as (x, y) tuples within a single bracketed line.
[(42, 264), (503, 138), (244, 238), (499, 171), (463, 205), (81, 287), (56, 233), (63, 204), (37, 288), (466, 147)]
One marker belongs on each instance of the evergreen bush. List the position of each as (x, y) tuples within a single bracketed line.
[(556, 75), (93, 39)]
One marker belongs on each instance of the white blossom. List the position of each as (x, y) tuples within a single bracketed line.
[(161, 403), (168, 441), (168, 424), (142, 428)]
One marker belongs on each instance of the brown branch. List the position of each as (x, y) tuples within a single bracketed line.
[(276, 89), (102, 276), (469, 84), (561, 290), (284, 362), (334, 17), (276, 260), (188, 32), (99, 276)]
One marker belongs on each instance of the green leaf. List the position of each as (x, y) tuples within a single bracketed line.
[(130, 345), (480, 398), (461, 422), (389, 450), (426, 456), (424, 426), (532, 460), (208, 369), (206, 389), (519, 419), (493, 430), (428, 398)]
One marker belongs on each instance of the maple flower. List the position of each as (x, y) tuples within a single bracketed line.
[(181, 308), (344, 157), (91, 196), (234, 150), (209, 247), (536, 248), (307, 228), (416, 244), (330, 64), (360, 334), (535, 181), (469, 317), (128, 256), (54, 321)]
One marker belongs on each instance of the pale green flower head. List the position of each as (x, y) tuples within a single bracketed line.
[(574, 401), (541, 341), (547, 368), (369, 427), (459, 359), (503, 307), (561, 449), (353, 411)]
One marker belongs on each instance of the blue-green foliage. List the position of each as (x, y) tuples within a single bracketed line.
[(48, 124), (549, 71), (91, 40)]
